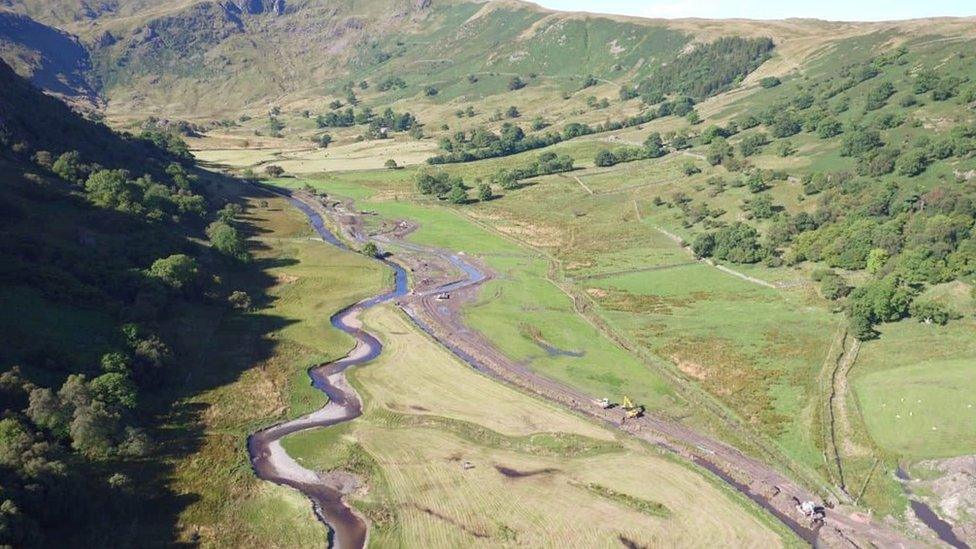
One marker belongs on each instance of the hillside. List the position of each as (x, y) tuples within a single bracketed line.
[(211, 59), (103, 242)]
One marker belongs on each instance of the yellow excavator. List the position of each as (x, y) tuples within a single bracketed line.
[(633, 410)]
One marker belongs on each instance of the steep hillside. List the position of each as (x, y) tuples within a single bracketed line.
[(103, 243), (54, 60)]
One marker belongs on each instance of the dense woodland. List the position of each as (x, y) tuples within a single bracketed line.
[(96, 239)]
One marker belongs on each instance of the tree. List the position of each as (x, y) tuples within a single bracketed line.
[(111, 189), (785, 125), (878, 96), (860, 141), (512, 112), (68, 167), (484, 192), (861, 328), (738, 243), (92, 428), (605, 158), (829, 127), (226, 240), (877, 259), (115, 362), (654, 146), (390, 164), (370, 249), (762, 207), (46, 411), (178, 271), (274, 171), (769, 82), (430, 91), (689, 168), (459, 194), (324, 140), (703, 245), (115, 389), (718, 151)]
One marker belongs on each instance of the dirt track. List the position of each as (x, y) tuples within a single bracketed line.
[(433, 268)]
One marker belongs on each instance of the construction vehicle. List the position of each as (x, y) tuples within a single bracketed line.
[(604, 403), (633, 410), (816, 513)]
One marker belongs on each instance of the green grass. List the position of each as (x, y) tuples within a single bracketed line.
[(914, 362), (923, 411), (258, 364)]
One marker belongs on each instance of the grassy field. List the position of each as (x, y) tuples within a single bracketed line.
[(539, 474), (917, 398), (521, 305), (296, 282)]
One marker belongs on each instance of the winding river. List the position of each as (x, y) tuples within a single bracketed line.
[(268, 457)]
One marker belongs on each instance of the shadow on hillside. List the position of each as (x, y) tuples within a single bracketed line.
[(216, 344)]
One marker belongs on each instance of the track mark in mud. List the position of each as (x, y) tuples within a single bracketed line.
[(463, 527), (629, 543), (515, 473)]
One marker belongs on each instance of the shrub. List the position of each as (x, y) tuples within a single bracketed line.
[(369, 249), (931, 312), (516, 83)]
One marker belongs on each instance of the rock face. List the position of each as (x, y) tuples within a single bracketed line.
[(255, 7)]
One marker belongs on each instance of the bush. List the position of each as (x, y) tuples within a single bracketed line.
[(390, 164), (369, 249), (860, 141), (913, 163), (239, 300), (770, 82), (833, 287), (516, 83), (274, 170), (931, 312)]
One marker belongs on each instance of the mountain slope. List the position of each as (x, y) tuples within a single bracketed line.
[(210, 58), (54, 60)]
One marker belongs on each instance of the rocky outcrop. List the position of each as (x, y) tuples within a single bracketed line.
[(255, 7)]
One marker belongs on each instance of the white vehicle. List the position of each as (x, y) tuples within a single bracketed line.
[(443, 296), (604, 403)]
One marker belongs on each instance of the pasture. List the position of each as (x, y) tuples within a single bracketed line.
[(536, 473)]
